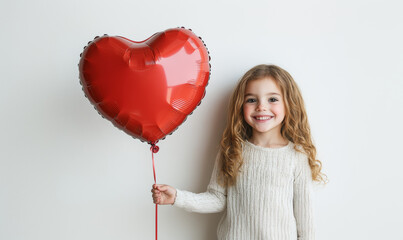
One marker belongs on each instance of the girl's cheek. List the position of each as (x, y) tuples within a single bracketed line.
[(245, 109), (276, 109)]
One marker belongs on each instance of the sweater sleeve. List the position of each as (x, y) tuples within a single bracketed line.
[(211, 201), (303, 209)]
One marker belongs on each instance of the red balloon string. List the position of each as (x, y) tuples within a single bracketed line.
[(154, 149)]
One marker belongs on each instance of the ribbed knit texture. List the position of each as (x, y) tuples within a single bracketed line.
[(271, 200)]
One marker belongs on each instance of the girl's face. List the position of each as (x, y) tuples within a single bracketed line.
[(263, 107)]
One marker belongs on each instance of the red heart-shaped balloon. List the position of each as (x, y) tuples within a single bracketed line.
[(146, 88)]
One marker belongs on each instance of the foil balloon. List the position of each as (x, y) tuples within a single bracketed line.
[(147, 88)]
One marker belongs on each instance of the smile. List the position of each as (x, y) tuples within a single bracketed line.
[(263, 118)]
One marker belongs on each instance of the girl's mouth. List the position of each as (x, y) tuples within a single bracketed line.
[(263, 118)]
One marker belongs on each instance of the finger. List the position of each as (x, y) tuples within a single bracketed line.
[(162, 188), (155, 186), (158, 186)]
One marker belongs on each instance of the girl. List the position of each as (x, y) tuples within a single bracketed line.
[(264, 170)]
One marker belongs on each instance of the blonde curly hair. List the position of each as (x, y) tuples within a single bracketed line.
[(295, 126)]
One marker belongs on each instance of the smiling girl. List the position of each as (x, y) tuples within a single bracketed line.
[(263, 174)]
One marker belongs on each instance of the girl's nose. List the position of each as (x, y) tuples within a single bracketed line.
[(261, 107)]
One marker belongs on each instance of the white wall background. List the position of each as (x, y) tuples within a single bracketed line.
[(66, 173)]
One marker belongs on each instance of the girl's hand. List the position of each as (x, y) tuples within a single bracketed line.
[(163, 194)]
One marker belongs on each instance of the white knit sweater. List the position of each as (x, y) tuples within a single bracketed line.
[(271, 200)]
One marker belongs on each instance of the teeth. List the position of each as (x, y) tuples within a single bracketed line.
[(263, 118)]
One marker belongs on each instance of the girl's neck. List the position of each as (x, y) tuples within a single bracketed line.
[(268, 141)]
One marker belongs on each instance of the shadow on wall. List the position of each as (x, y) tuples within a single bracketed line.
[(219, 121)]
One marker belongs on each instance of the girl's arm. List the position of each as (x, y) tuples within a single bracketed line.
[(303, 211), (211, 201)]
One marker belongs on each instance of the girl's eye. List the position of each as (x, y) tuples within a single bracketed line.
[(250, 100), (273, 99)]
